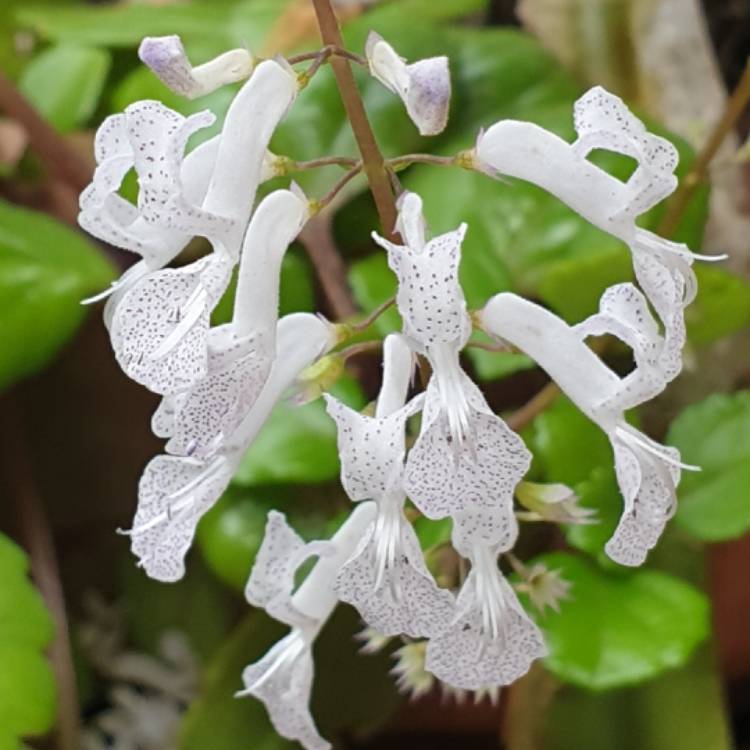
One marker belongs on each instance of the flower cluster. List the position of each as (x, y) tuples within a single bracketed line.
[(219, 383)]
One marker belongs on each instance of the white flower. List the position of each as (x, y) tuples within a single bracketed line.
[(602, 121), (552, 502), (159, 323), (159, 329), (176, 491), (466, 460), (424, 86), (166, 56), (491, 640), (386, 579), (283, 678), (647, 472), (239, 355)]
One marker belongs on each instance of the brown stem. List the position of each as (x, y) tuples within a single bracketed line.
[(325, 161), (325, 53), (37, 538), (339, 186), (361, 348), (365, 323), (317, 237), (530, 410), (374, 164), (736, 105), (58, 158), (401, 162)]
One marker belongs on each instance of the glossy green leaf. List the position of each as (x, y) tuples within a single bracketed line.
[(568, 445), (619, 630), (721, 307), (65, 82), (297, 443), (27, 686), (46, 270), (600, 492), (230, 535), (714, 504)]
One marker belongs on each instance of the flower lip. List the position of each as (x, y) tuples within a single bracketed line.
[(423, 86), (166, 57)]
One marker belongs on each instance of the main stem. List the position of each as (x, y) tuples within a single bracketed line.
[(372, 158)]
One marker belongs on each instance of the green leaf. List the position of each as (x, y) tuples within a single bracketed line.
[(619, 630), (568, 445), (297, 443), (27, 687), (714, 504), (600, 492), (46, 270), (65, 82), (125, 24), (640, 718), (230, 535), (721, 307), (495, 365)]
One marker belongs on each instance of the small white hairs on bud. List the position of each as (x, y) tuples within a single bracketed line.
[(424, 86), (167, 58)]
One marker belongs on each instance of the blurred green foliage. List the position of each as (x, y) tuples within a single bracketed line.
[(46, 270), (27, 687), (715, 435)]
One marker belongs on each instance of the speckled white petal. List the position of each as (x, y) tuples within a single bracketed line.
[(166, 57), (469, 656), (423, 86), (173, 494), (158, 136), (271, 581), (213, 408), (495, 527), (647, 472), (648, 484), (371, 449), (159, 330), (624, 313), (444, 479), (282, 679), (112, 219), (524, 150), (602, 120), (388, 581), (430, 298)]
